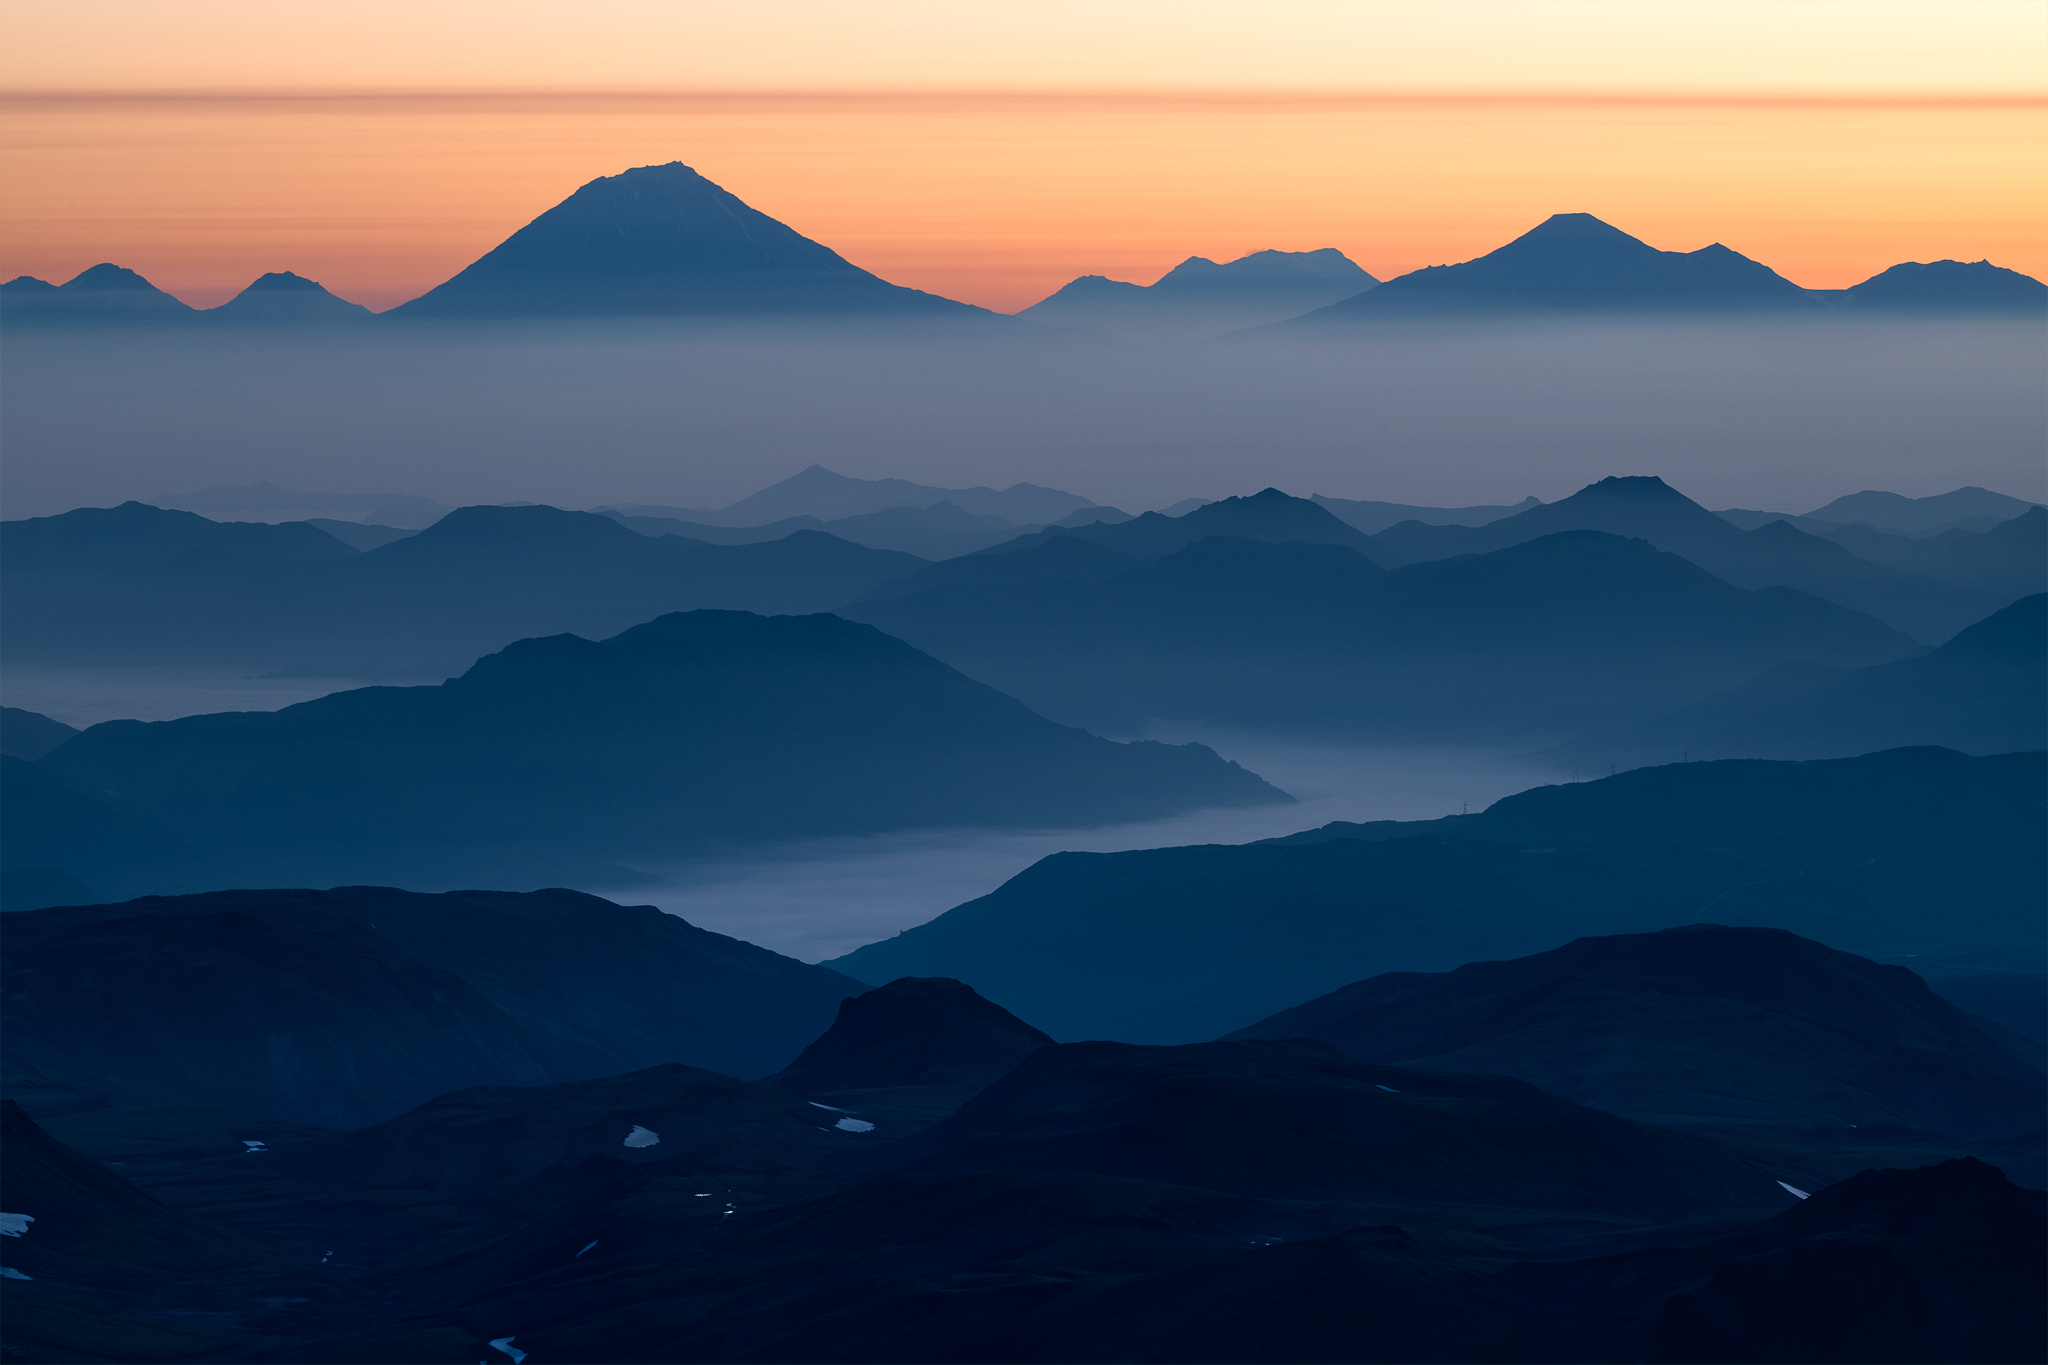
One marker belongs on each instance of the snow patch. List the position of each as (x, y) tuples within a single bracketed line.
[(1389, 1089), (253, 1146), (833, 1107), (8, 1272), (14, 1224), (854, 1126), (1793, 1190), (505, 1344), (642, 1137), (593, 1242)]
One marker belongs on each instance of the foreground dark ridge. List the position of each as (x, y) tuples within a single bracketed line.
[(1226, 1201)]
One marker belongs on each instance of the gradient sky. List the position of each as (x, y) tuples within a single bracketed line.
[(991, 151)]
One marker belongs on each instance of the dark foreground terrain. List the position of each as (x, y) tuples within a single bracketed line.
[(933, 1179)]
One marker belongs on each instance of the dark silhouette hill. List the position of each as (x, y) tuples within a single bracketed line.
[(58, 833), (1542, 638), (659, 241), (1574, 263), (101, 1270), (474, 1141), (118, 586), (1984, 692), (401, 510), (1269, 516), (1200, 298), (915, 1031), (1895, 512), (2009, 559), (282, 299), (1774, 555), (939, 532), (30, 734), (100, 542), (818, 492), (1692, 1024), (556, 755), (1974, 287), (353, 1005), (1374, 517), (1298, 1120), (1918, 852), (105, 295)]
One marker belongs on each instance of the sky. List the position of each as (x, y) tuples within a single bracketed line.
[(992, 151)]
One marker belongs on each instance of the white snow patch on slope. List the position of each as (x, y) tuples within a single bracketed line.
[(642, 1137)]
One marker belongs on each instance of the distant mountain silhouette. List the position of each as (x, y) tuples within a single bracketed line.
[(1542, 638), (1200, 298), (1890, 511), (105, 294), (1269, 516), (1695, 1024), (915, 1031), (282, 299), (1977, 287), (1917, 851), (938, 532), (387, 509), (1984, 692), (1774, 555), (818, 492), (29, 734), (2007, 560), (1571, 262), (137, 584), (1374, 517), (554, 756), (661, 241), (353, 1005)]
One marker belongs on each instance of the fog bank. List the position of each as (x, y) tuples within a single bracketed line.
[(1781, 413)]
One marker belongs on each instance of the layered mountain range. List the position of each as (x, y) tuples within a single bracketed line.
[(664, 242)]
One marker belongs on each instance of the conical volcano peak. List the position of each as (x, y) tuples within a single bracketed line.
[(1577, 232), (285, 279), (662, 241)]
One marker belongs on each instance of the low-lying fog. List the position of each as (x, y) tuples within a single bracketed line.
[(820, 898), (1774, 412)]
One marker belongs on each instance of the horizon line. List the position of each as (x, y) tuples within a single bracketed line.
[(1251, 96)]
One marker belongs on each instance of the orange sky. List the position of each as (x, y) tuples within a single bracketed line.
[(992, 151)]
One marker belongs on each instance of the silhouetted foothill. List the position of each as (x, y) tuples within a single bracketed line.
[(1297, 1120), (1984, 692), (1697, 1023), (351, 1005), (913, 1031), (553, 757), (1920, 851)]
